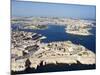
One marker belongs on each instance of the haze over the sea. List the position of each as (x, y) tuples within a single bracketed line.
[(20, 8)]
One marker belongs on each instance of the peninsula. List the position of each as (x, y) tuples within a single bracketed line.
[(27, 46)]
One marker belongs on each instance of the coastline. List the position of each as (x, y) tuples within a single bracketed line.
[(73, 26), (78, 33), (49, 53)]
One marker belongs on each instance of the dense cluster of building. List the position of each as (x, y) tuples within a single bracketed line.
[(79, 27), (27, 46), (24, 42)]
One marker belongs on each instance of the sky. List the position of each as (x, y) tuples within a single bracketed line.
[(21, 8)]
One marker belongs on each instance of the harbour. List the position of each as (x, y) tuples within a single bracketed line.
[(53, 32)]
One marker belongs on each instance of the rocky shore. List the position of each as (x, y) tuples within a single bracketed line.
[(28, 51)]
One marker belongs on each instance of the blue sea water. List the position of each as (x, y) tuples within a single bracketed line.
[(57, 33)]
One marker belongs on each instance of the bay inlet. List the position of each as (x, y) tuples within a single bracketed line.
[(57, 33)]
